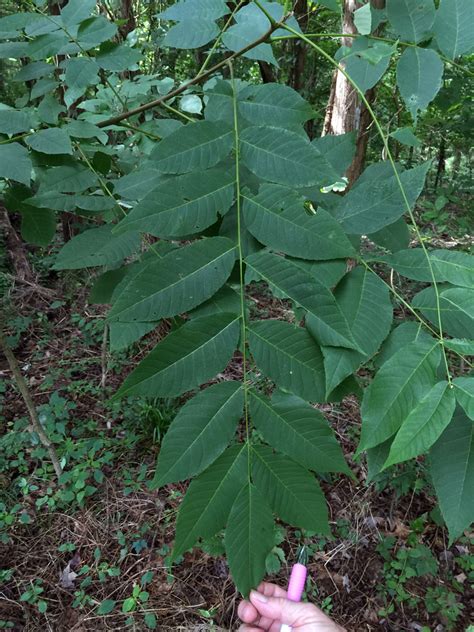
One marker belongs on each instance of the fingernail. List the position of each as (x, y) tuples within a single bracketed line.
[(258, 596)]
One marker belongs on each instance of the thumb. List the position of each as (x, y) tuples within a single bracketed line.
[(283, 610)]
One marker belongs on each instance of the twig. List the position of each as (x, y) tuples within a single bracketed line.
[(200, 77), (25, 393)]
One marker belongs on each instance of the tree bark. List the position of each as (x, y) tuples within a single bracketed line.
[(299, 48), (345, 112), (441, 163), (128, 15), (30, 406), (16, 250)]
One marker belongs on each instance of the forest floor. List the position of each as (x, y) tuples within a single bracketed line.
[(388, 565)]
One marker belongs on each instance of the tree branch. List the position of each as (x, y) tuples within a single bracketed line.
[(199, 77), (25, 393)]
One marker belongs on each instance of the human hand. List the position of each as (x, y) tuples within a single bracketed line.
[(268, 608)]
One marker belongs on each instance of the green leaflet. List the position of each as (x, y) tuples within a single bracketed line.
[(225, 300), (68, 179), (105, 284), (122, 335), (296, 429), (419, 78), (453, 27), (396, 389), (252, 23), (80, 72), (193, 147), (285, 157), (186, 358), (195, 9), (376, 458), (374, 204), (393, 237), (413, 264), (208, 501), (405, 136), (363, 19), (289, 356), (96, 247), (200, 432), (62, 202), (275, 103), (461, 345), (338, 150), (191, 34), (329, 273), (76, 11), (328, 322), (38, 226), (454, 267), (363, 72), (117, 57), (249, 538), (464, 391), (180, 281), (425, 423), (411, 19), (14, 121), (447, 265), (452, 472), (277, 217), (15, 164), (196, 22), (456, 308), (50, 141), (402, 336), (94, 31), (365, 302), (184, 205), (137, 184), (291, 491)]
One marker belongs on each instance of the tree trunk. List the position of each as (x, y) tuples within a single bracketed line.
[(128, 15), (16, 250), (441, 163), (299, 47), (344, 112), (343, 101)]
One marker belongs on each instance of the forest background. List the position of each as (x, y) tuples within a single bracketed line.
[(236, 238)]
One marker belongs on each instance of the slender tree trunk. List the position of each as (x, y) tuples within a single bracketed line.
[(128, 15), (16, 250), (299, 48), (344, 112), (266, 71), (30, 406), (441, 163)]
